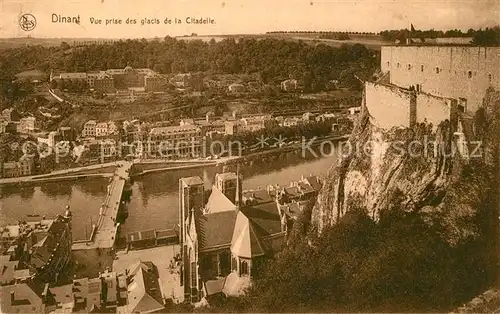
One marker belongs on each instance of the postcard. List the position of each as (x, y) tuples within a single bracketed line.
[(297, 156)]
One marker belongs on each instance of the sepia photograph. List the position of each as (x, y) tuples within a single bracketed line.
[(249, 156)]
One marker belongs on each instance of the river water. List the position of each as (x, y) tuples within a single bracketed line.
[(154, 202)]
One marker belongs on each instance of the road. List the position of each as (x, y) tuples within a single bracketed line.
[(106, 228)]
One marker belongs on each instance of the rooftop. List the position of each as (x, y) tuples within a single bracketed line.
[(174, 129), (189, 181), (144, 294), (218, 202), (215, 229), (245, 242), (265, 216)]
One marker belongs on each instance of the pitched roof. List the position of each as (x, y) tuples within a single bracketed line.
[(215, 229), (26, 299), (245, 241), (259, 196), (192, 181), (144, 294), (226, 176), (63, 294), (292, 191), (265, 216), (314, 182), (305, 188), (218, 202), (7, 271)]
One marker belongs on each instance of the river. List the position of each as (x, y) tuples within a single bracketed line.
[(154, 202)]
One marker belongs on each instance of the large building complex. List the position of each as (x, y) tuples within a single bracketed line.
[(110, 80), (460, 72), (175, 141)]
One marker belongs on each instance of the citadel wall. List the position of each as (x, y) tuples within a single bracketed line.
[(390, 106), (455, 72)]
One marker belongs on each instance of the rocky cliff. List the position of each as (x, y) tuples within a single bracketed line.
[(415, 169)]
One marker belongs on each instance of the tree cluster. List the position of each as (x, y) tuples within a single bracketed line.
[(481, 37), (272, 59)]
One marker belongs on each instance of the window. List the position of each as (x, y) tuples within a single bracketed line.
[(469, 74), (437, 70), (234, 264), (244, 268), (409, 66), (398, 65), (489, 78), (422, 68), (388, 63)]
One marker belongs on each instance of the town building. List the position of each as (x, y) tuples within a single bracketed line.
[(101, 129), (291, 122), (26, 298), (10, 115), (31, 76), (181, 80), (289, 85), (65, 133), (85, 295), (24, 167), (26, 125), (3, 126), (354, 110), (89, 129), (246, 124), (47, 138), (236, 88), (144, 293)]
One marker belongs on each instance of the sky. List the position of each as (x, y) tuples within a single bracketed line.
[(242, 16)]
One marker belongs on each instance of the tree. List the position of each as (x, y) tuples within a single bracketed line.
[(65, 46)]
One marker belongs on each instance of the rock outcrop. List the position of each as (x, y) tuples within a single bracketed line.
[(420, 167)]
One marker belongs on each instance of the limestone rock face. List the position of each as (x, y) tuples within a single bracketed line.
[(421, 165)]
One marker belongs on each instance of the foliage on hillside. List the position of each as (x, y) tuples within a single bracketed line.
[(401, 263), (272, 59)]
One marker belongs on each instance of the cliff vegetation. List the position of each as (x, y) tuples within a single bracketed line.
[(393, 231)]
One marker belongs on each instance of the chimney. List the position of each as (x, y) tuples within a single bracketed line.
[(12, 298)]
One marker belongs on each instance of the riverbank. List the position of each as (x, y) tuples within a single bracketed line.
[(145, 166), (289, 148)]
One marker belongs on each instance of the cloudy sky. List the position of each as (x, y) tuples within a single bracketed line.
[(244, 16)]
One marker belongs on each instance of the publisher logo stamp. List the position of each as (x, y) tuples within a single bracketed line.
[(27, 22)]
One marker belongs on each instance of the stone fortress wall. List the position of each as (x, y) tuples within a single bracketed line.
[(391, 106), (449, 71)]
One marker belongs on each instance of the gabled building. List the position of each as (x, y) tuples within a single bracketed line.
[(144, 294), (27, 297), (227, 239)]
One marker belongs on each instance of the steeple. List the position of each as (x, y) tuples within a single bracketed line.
[(238, 188)]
